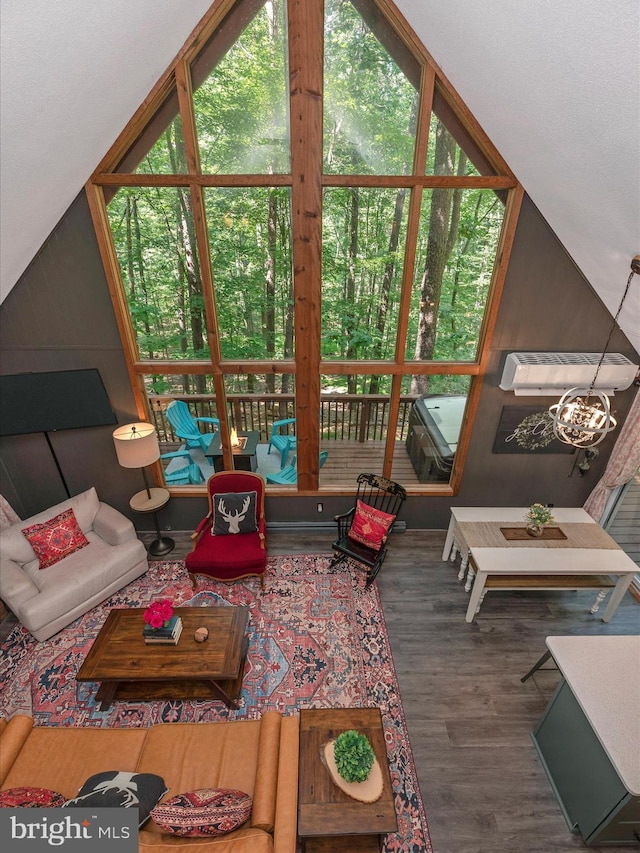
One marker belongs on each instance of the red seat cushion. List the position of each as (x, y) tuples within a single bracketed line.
[(227, 556), (370, 526)]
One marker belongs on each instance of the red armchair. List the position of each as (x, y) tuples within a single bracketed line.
[(230, 542)]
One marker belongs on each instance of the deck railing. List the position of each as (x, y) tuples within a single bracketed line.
[(343, 417)]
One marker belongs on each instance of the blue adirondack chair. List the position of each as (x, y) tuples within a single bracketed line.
[(282, 442), (187, 475), (289, 474), (185, 426)]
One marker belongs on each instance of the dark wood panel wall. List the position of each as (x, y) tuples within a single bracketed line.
[(59, 316)]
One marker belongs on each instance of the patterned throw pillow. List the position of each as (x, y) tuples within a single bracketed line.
[(370, 526), (234, 512), (57, 538), (121, 789), (31, 798), (208, 811)]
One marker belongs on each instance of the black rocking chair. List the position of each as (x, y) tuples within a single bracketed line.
[(381, 494)]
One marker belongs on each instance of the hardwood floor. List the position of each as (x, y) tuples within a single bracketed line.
[(469, 716)]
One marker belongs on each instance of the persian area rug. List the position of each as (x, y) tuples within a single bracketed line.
[(317, 639)]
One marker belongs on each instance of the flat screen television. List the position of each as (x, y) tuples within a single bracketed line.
[(46, 402)]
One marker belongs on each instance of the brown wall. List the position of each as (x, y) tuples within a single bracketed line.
[(59, 316)]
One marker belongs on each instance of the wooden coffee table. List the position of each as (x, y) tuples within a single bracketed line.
[(328, 819), (128, 668)]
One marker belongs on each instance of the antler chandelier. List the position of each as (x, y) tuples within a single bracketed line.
[(583, 416)]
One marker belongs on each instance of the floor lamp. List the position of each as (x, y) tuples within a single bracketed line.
[(136, 447)]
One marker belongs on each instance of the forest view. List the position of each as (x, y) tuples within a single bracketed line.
[(307, 224), (370, 110)]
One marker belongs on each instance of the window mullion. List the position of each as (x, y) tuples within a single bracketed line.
[(305, 33)]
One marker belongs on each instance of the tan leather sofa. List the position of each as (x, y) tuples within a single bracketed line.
[(259, 757)]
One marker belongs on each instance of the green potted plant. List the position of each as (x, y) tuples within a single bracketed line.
[(353, 766), (354, 756), (537, 517)]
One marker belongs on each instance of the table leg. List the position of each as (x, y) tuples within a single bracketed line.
[(545, 657), (106, 694), (600, 597), (476, 595), (448, 542), (463, 568), (471, 573), (624, 582), (222, 696)]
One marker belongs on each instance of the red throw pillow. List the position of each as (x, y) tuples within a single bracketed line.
[(370, 526), (202, 813), (31, 798), (57, 538)]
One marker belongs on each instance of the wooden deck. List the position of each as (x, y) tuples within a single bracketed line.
[(347, 459)]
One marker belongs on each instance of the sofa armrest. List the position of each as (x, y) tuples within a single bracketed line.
[(15, 584), (285, 831), (12, 738), (263, 814), (112, 526)]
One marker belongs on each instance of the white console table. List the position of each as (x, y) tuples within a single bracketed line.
[(589, 737), (588, 558)]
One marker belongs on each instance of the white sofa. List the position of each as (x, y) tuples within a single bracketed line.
[(47, 600)]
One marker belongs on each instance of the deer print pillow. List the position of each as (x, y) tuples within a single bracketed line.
[(121, 789), (234, 512)]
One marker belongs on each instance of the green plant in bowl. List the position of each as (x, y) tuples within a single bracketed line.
[(354, 756), (539, 515)]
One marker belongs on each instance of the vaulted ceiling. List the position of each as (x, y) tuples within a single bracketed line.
[(555, 85)]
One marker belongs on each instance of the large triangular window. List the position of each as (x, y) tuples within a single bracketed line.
[(305, 231)]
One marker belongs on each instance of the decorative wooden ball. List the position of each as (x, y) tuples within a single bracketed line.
[(201, 634)]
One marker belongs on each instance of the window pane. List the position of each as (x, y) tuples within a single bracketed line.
[(363, 252), (431, 429), (241, 105), (458, 239), (263, 405), (452, 151), (354, 413), (168, 155), (249, 234), (154, 234), (183, 460), (370, 106), (159, 150), (444, 155), (255, 401)]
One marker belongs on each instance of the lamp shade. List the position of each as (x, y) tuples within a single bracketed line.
[(136, 445)]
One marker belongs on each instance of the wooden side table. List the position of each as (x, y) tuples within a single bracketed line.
[(151, 501), (328, 819)]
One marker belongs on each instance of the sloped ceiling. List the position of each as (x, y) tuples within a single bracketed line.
[(554, 83)]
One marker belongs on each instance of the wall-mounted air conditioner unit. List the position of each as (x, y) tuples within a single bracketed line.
[(547, 373)]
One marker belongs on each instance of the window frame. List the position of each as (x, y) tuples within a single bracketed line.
[(307, 182)]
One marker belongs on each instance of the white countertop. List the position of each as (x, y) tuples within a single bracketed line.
[(604, 676)]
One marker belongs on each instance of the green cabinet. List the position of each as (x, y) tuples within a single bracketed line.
[(593, 798)]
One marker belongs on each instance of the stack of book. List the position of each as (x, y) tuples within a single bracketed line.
[(168, 634)]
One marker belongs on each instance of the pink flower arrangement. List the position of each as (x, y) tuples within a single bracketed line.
[(158, 612)]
